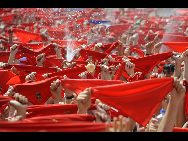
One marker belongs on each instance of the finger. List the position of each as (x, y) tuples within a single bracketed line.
[(107, 129), (20, 99), (16, 95), (120, 123), (175, 79), (124, 124), (115, 124), (179, 86), (182, 90)]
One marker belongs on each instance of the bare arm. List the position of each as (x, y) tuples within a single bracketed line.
[(185, 59), (169, 119), (13, 51)]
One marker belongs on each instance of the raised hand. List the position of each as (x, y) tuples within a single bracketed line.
[(84, 101), (129, 67), (40, 59), (149, 47), (56, 90), (157, 47), (30, 77)]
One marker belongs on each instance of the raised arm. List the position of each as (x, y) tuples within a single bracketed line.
[(185, 59), (169, 119), (13, 51)]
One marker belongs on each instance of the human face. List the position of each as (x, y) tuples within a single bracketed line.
[(168, 74)]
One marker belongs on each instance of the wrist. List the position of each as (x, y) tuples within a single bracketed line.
[(80, 111), (148, 53), (57, 100), (68, 93)]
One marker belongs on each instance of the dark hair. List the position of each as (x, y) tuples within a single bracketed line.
[(168, 67)]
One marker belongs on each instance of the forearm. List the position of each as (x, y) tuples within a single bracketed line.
[(57, 100), (181, 116), (11, 58), (58, 54), (169, 119), (185, 74), (81, 111), (177, 71)]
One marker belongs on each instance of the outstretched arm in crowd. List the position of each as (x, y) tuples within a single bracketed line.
[(84, 101), (58, 51), (185, 59), (178, 60), (40, 59), (13, 51), (169, 119), (56, 90), (17, 107)]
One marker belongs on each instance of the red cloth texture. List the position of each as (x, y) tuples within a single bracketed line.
[(7, 18), (26, 36), (53, 109), (5, 76), (178, 129), (109, 47), (79, 85), (52, 126), (95, 54), (71, 73), (177, 46), (138, 99), (36, 92), (147, 63), (174, 38), (31, 55)]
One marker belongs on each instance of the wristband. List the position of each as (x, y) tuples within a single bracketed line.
[(148, 54), (69, 97)]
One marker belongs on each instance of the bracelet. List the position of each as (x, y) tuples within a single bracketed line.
[(69, 97)]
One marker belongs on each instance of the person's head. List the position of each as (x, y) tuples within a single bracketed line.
[(168, 69)]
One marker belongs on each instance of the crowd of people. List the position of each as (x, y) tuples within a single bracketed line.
[(93, 70)]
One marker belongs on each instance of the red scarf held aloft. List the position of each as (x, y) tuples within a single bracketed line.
[(37, 92), (147, 63), (138, 51), (5, 99), (26, 36), (5, 76), (174, 38), (119, 29), (4, 56), (30, 68), (31, 55), (144, 64), (52, 125), (95, 54), (79, 85), (34, 46), (7, 18), (14, 80), (139, 99), (177, 46), (61, 118), (109, 47), (53, 109), (71, 73)]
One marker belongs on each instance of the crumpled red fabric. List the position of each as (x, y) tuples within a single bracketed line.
[(138, 99), (26, 36), (36, 92)]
